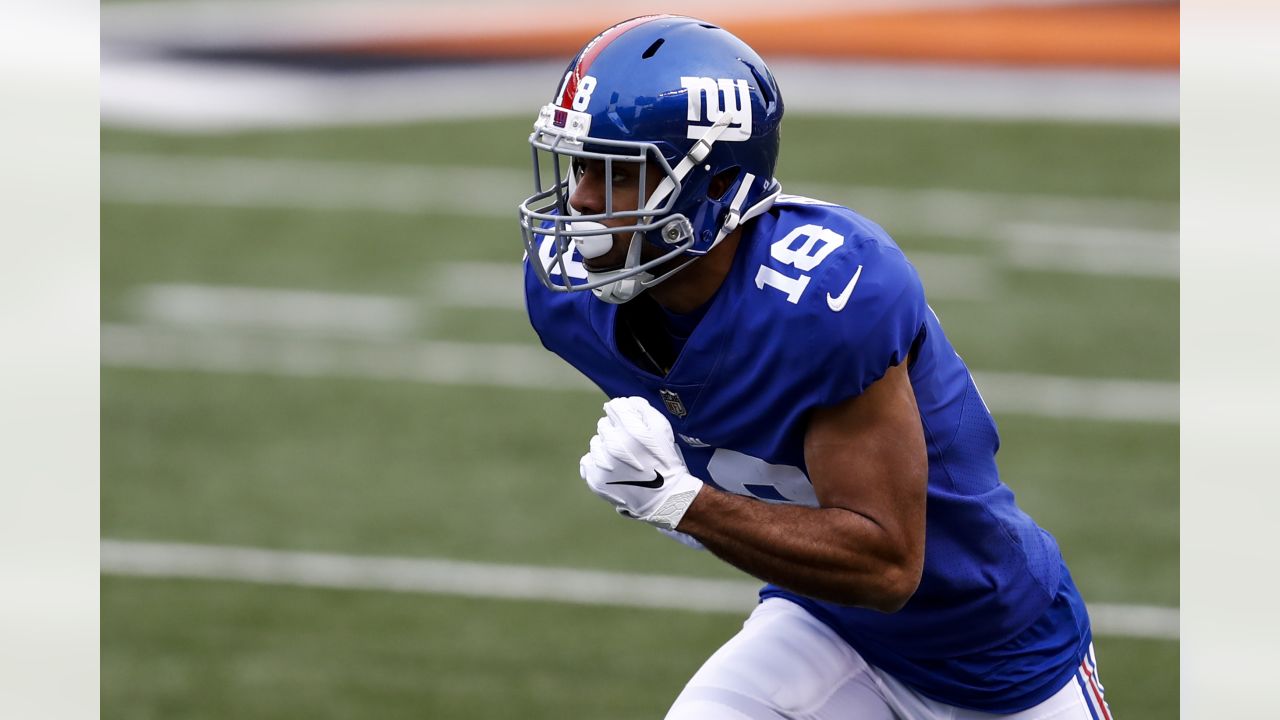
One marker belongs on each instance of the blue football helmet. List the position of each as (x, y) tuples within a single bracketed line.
[(663, 93)]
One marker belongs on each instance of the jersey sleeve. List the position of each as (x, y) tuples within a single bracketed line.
[(881, 322)]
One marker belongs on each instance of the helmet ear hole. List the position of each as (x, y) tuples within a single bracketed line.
[(721, 183)]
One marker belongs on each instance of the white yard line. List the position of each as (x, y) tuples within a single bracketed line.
[(497, 285), (1064, 234), (531, 367), (1079, 398), (950, 276), (321, 313), (479, 285), (312, 185), (1092, 250), (513, 582), (418, 189), (969, 214), (438, 362)]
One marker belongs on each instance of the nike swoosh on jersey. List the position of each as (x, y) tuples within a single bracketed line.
[(653, 484), (837, 303)]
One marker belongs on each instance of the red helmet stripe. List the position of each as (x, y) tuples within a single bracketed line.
[(570, 89), (593, 49)]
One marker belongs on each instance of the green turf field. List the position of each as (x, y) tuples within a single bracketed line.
[(391, 467)]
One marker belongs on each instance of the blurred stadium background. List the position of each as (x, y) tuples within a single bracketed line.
[(338, 471)]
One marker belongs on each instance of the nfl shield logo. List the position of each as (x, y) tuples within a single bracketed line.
[(672, 401)]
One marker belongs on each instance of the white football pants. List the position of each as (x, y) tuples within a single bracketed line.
[(786, 665)]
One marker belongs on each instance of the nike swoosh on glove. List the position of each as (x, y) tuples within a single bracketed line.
[(635, 465)]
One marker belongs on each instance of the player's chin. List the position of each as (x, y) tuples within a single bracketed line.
[(601, 267)]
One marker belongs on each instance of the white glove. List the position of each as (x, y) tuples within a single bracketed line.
[(635, 465)]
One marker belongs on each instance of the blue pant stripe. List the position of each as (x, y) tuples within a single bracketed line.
[(1084, 690)]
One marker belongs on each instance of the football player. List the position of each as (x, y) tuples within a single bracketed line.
[(783, 396)]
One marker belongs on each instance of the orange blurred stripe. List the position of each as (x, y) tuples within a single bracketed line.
[(1124, 35), (1121, 35)]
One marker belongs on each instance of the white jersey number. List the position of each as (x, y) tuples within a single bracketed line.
[(818, 243), (743, 474), (547, 256)]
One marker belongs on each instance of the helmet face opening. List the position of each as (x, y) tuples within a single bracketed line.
[(671, 103), (552, 227), (557, 158)]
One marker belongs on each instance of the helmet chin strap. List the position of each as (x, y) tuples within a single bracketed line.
[(732, 222), (699, 152), (737, 216), (623, 289)]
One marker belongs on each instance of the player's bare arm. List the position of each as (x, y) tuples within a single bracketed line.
[(865, 545)]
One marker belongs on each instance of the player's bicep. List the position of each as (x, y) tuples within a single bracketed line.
[(867, 455)]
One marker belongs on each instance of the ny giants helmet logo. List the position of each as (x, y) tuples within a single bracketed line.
[(710, 98)]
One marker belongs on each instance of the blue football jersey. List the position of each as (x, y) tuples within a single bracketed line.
[(819, 303)]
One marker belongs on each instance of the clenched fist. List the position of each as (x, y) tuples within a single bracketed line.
[(635, 465)]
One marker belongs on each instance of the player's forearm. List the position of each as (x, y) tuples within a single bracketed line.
[(826, 553)]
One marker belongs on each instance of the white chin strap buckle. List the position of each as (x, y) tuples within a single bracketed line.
[(618, 291), (677, 230), (631, 284)]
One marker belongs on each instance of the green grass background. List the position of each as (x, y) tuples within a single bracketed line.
[(377, 467)]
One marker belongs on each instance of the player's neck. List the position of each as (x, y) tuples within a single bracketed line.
[(693, 286)]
